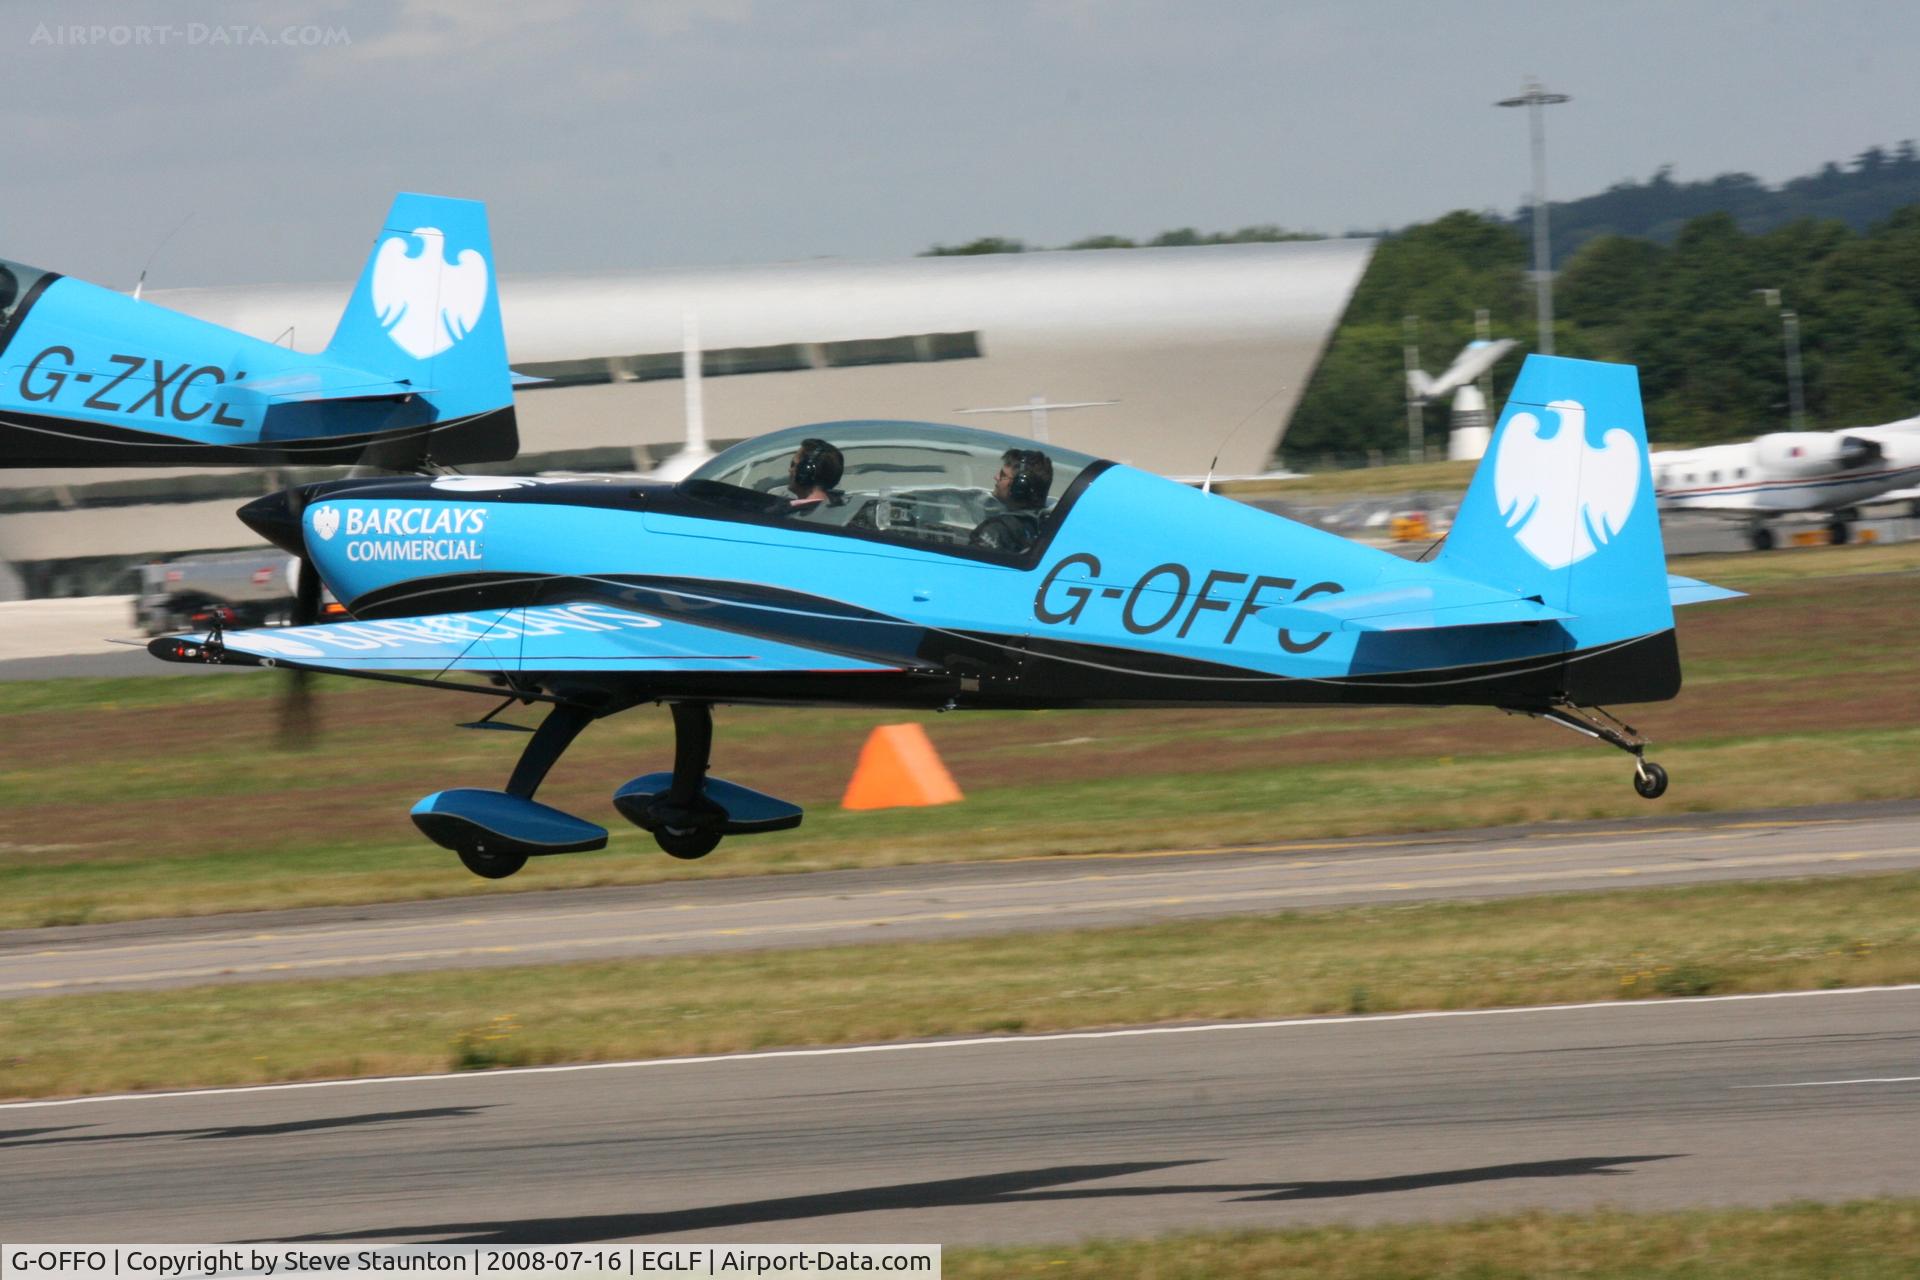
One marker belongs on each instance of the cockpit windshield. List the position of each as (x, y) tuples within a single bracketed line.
[(16, 283), (920, 483)]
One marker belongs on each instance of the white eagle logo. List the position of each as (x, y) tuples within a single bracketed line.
[(1562, 497), (425, 303), (326, 522)]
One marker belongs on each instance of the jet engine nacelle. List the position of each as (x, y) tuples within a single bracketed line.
[(1814, 453)]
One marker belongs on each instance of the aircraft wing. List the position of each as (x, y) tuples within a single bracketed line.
[(580, 637)]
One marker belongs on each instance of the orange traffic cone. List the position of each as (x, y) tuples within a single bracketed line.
[(899, 768)]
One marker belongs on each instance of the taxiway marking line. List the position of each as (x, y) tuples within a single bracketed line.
[(1470, 858), (1442, 838), (1816, 1084), (974, 1042), (1086, 907)]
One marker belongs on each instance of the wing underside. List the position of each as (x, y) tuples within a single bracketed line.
[(583, 637)]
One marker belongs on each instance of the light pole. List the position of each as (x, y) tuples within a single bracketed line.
[(1533, 99), (1790, 335), (1416, 401)]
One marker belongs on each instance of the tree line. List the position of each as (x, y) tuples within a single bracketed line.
[(1686, 280), (1701, 317), (1865, 192)]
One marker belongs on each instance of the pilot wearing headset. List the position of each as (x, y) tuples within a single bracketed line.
[(1020, 489), (812, 472)]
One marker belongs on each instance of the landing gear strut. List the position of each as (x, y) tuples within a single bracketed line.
[(1649, 779), (687, 824), (686, 811), (495, 832), (549, 742)]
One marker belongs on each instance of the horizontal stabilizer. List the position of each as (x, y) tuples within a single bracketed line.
[(303, 386), (581, 637), (1693, 591), (1411, 606)]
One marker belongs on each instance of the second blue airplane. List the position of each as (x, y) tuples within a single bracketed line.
[(415, 376)]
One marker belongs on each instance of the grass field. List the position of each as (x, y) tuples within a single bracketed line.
[(129, 798), (1400, 478), (1772, 936), (1863, 1240)]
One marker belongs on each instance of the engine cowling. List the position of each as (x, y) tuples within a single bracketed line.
[(1815, 453)]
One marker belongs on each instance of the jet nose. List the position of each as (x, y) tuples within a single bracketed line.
[(276, 518)]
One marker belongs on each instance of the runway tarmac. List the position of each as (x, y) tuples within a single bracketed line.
[(1655, 1105), (945, 901)]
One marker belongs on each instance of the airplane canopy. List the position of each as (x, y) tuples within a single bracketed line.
[(917, 482)]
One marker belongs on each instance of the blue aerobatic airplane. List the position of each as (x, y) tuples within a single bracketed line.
[(415, 377), (902, 564)]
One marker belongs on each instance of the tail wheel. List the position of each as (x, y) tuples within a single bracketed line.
[(492, 866), (1650, 780)]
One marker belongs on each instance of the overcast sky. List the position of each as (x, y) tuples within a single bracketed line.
[(687, 132)]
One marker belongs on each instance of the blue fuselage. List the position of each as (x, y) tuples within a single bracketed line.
[(1144, 591)]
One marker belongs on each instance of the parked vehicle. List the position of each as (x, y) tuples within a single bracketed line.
[(231, 588)]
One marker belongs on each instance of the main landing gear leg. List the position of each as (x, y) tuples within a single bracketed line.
[(1649, 779), (495, 832), (686, 811), (687, 823), (555, 734)]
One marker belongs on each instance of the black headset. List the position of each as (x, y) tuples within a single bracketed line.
[(816, 464), (1026, 487)]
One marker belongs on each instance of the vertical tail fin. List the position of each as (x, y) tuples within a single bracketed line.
[(1562, 508), (426, 311)]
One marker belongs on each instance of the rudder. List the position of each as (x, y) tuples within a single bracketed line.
[(426, 311), (1562, 509)]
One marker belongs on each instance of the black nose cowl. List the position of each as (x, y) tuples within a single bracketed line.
[(276, 518)]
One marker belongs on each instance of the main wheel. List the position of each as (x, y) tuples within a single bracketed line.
[(492, 866), (1650, 780), (1837, 533), (1760, 538), (688, 843)]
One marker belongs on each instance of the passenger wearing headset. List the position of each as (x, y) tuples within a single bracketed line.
[(1020, 489), (812, 472)]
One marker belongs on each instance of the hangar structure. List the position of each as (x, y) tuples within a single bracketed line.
[(1176, 354)]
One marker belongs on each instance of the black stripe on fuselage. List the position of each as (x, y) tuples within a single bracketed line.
[(742, 608), (37, 440)]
